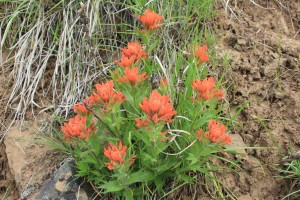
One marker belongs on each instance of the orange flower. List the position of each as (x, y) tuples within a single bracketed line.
[(134, 51), (132, 76), (158, 108), (151, 19), (200, 53), (205, 89), (205, 85), (77, 127), (116, 155), (217, 132), (126, 61), (80, 109), (105, 95)]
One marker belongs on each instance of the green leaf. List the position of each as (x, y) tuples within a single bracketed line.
[(128, 194), (154, 45), (168, 165), (112, 186), (159, 184), (139, 176), (186, 178), (192, 158)]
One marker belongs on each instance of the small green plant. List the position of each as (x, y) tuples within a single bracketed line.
[(291, 171), (139, 131)]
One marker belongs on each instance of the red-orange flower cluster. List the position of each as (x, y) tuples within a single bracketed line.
[(77, 127), (116, 155), (158, 109), (205, 89), (151, 20), (201, 54), (132, 76), (134, 50), (80, 109), (217, 132), (131, 54), (125, 61), (105, 95)]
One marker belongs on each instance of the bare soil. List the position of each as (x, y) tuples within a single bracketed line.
[(264, 45), (263, 42)]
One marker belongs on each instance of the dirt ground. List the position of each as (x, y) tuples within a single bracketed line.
[(264, 45), (7, 182), (263, 41)]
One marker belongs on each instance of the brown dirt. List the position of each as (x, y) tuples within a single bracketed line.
[(7, 182), (7, 185), (264, 46)]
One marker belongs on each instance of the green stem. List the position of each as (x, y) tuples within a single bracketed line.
[(99, 118), (93, 153)]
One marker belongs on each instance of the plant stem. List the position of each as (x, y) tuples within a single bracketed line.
[(99, 118)]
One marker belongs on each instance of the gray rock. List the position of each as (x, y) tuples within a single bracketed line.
[(63, 185)]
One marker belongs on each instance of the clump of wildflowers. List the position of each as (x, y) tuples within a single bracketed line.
[(122, 158), (205, 89)]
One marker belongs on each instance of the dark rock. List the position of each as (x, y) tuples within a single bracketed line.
[(64, 185)]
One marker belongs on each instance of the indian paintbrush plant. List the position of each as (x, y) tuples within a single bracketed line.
[(132, 135)]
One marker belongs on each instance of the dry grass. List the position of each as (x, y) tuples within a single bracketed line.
[(59, 50), (62, 47)]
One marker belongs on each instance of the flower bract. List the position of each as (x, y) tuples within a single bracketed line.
[(133, 51), (77, 127), (151, 19), (205, 89), (116, 155), (105, 95), (217, 132), (132, 76), (201, 54), (158, 108)]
